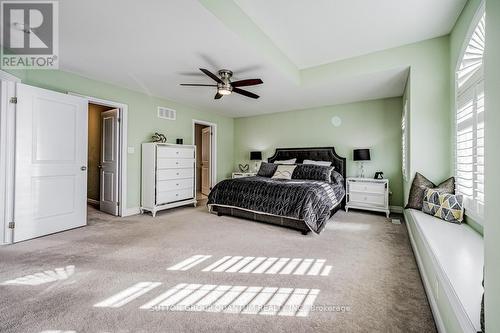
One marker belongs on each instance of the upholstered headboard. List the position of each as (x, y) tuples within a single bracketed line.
[(316, 154)]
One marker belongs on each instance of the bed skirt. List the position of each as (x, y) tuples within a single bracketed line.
[(286, 222)]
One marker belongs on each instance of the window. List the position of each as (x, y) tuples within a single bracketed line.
[(404, 142), (469, 130)]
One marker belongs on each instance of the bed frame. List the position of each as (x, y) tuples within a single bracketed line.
[(301, 154)]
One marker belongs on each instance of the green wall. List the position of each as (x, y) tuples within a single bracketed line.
[(492, 165), (429, 91), (142, 120), (374, 124)]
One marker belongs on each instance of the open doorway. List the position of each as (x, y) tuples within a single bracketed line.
[(205, 141), (103, 165)]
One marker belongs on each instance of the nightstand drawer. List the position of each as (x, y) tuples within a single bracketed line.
[(243, 174), (365, 187), (367, 199)]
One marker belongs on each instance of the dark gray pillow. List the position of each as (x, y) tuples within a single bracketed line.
[(420, 184), (267, 169), (337, 178), (313, 172)]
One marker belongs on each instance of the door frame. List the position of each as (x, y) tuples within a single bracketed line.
[(7, 154), (123, 119), (213, 148)]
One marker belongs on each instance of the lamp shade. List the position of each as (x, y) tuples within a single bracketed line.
[(256, 156), (361, 154)]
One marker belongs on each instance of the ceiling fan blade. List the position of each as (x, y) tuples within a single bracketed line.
[(245, 93), (198, 85), (218, 96), (212, 75), (249, 82)]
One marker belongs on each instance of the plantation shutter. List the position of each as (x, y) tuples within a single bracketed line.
[(469, 168)]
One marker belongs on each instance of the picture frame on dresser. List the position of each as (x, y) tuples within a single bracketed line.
[(168, 176), (367, 194)]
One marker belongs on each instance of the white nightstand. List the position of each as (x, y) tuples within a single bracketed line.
[(368, 194), (243, 174)]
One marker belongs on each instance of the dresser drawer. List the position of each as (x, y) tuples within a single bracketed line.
[(175, 152), (171, 185), (168, 174), (367, 187), (367, 199), (171, 196), (171, 163)]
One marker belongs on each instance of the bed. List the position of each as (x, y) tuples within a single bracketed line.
[(303, 205)]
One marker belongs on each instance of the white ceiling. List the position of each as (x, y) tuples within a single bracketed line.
[(155, 45), (316, 32)]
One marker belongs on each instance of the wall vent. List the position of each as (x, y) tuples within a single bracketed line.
[(166, 113)]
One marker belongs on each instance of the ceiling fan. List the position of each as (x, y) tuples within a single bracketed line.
[(224, 84)]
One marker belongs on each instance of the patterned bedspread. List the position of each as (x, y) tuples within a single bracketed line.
[(307, 200)]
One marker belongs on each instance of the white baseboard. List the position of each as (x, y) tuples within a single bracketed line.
[(396, 209), (132, 211), (93, 202)]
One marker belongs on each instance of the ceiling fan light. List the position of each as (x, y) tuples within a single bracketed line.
[(224, 91)]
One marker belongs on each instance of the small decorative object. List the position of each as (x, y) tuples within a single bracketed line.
[(379, 175), (361, 155), (256, 156), (179, 141), (336, 121), (159, 138), (244, 168)]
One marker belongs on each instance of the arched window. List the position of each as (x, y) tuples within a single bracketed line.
[(469, 119)]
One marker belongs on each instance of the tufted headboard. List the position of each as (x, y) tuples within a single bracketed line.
[(316, 154)]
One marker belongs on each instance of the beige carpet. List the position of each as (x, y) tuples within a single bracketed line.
[(373, 275)]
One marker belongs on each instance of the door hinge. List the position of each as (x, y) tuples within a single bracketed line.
[(12, 225), (13, 100), (119, 119), (117, 204)]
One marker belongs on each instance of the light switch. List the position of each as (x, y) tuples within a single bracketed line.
[(131, 150)]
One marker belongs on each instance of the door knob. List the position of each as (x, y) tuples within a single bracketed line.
[(99, 166), (83, 168)]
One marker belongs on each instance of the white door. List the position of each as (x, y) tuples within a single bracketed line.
[(109, 162), (51, 162), (206, 145)]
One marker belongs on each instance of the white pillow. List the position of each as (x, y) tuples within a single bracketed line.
[(324, 163), (292, 161), (284, 172)]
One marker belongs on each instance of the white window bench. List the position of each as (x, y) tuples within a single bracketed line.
[(450, 258)]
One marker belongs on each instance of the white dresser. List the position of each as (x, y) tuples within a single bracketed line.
[(168, 176), (368, 194)]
